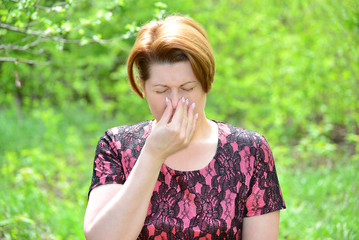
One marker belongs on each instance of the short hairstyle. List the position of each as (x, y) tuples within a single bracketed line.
[(174, 39)]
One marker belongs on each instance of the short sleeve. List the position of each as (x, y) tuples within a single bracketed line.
[(264, 191), (107, 167)]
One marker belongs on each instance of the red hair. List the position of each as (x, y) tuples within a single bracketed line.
[(174, 39)]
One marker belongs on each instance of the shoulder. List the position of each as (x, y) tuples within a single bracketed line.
[(242, 136), (122, 136), (136, 130)]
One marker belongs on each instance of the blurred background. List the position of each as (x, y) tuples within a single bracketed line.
[(288, 69)]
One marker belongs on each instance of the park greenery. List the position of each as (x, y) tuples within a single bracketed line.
[(287, 69)]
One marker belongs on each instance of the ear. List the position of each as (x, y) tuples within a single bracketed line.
[(142, 86)]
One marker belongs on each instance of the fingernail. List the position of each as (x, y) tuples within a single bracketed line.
[(166, 100), (187, 101), (196, 116), (183, 100), (193, 105)]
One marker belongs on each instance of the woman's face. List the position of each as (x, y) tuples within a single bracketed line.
[(174, 81)]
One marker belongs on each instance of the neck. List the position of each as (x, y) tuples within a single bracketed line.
[(204, 129)]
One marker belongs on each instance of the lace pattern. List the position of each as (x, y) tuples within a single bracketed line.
[(209, 203)]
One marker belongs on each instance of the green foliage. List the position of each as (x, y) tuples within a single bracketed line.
[(47, 166), (321, 202), (45, 173), (287, 69), (283, 69)]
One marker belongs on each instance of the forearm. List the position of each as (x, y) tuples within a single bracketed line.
[(123, 216)]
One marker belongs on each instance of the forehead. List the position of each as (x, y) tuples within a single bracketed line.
[(171, 73)]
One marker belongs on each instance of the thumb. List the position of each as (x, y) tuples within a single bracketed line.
[(167, 114)]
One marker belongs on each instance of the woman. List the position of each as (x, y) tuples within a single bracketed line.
[(181, 175)]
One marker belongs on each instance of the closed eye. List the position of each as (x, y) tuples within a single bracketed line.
[(161, 91), (188, 89)]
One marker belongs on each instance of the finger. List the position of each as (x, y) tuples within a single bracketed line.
[(190, 121), (167, 114), (184, 121), (187, 118), (178, 114)]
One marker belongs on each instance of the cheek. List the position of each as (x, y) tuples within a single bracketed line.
[(200, 101), (157, 107)]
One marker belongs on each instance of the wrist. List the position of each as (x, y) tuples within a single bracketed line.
[(153, 157)]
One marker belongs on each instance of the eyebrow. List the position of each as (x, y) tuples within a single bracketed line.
[(163, 85)]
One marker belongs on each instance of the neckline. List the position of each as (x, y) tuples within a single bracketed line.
[(181, 172)]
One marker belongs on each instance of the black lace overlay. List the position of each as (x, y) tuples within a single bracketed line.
[(210, 203)]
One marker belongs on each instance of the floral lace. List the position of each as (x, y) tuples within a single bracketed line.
[(210, 203)]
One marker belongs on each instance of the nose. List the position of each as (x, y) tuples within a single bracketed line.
[(174, 97)]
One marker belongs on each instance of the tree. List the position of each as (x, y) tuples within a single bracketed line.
[(58, 50), (29, 28)]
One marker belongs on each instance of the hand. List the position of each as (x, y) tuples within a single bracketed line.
[(173, 132)]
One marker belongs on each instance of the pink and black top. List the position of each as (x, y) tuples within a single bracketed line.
[(210, 203)]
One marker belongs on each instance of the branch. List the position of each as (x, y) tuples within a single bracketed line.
[(34, 38), (25, 39), (51, 8), (62, 40), (16, 29), (79, 41), (16, 60), (30, 24), (21, 48)]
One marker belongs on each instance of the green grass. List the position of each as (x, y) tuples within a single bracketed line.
[(322, 203), (46, 166)]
